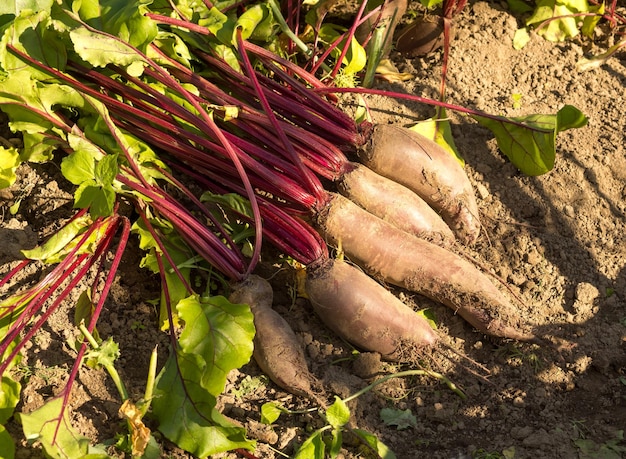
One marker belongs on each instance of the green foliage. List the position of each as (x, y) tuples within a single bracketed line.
[(562, 23), (9, 397), (60, 242), (9, 160), (50, 425), (216, 339), (557, 20), (94, 178), (270, 412), (533, 150), (375, 444), (15, 7), (430, 4), (123, 19), (614, 448)]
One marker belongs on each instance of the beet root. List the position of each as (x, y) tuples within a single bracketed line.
[(403, 260), (277, 350), (364, 313), (395, 204), (423, 166)]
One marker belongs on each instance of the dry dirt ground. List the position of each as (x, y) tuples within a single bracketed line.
[(557, 240)]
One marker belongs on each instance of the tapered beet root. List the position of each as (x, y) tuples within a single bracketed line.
[(277, 350), (395, 204), (400, 259), (363, 312), (423, 166)]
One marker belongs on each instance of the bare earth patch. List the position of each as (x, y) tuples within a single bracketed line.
[(559, 242)]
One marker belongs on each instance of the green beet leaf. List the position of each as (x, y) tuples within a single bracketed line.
[(219, 332), (216, 339), (50, 426), (94, 179), (79, 167), (270, 412), (559, 14), (338, 414), (529, 142), (30, 34), (312, 448), (186, 411), (101, 50), (9, 160), (15, 7), (9, 396), (124, 19), (99, 199), (39, 148), (7, 446)]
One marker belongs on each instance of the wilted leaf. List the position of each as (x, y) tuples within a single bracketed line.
[(438, 129), (591, 63), (140, 434), (59, 240), (83, 312), (521, 38), (402, 419)]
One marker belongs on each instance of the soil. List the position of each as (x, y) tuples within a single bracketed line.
[(558, 241)]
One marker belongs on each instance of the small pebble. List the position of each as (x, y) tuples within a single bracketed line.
[(569, 211), (482, 191)]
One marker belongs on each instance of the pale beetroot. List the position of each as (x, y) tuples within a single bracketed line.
[(398, 258), (395, 204), (423, 166), (277, 350), (364, 313)]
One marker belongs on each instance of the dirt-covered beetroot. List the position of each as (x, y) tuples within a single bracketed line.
[(395, 204), (277, 350), (423, 166), (403, 260), (364, 313)]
